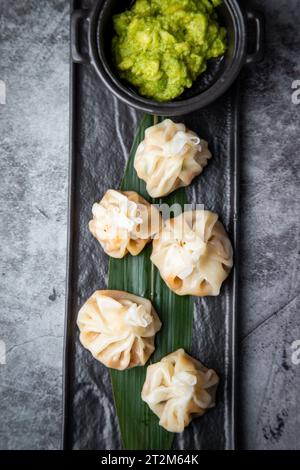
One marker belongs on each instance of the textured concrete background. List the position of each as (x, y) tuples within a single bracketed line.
[(34, 51), (270, 208)]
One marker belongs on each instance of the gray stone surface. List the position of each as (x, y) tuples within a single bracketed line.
[(34, 51), (270, 207), (34, 166)]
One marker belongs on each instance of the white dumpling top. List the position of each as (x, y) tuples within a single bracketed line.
[(120, 213), (118, 328), (170, 157), (179, 388), (122, 222), (193, 253)]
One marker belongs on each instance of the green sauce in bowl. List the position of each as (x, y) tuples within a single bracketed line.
[(162, 46)]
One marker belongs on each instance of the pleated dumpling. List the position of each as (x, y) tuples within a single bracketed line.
[(118, 328), (170, 157), (124, 222), (193, 253), (178, 389)]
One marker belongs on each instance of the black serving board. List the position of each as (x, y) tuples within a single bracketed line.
[(101, 133)]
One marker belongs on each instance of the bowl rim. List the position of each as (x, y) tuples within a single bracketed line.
[(172, 108)]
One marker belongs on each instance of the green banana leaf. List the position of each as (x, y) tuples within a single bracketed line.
[(139, 427)]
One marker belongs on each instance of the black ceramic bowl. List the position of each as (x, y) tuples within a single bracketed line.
[(220, 73)]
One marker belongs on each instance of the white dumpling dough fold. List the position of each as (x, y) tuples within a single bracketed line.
[(178, 389), (124, 222), (118, 328), (193, 253), (169, 157)]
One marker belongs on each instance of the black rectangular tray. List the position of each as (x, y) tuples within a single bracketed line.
[(101, 133)]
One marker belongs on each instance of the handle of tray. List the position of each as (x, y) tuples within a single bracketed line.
[(78, 16), (258, 18)]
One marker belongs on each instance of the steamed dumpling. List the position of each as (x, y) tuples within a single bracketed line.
[(193, 253), (118, 328), (123, 222), (170, 157), (178, 389)]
